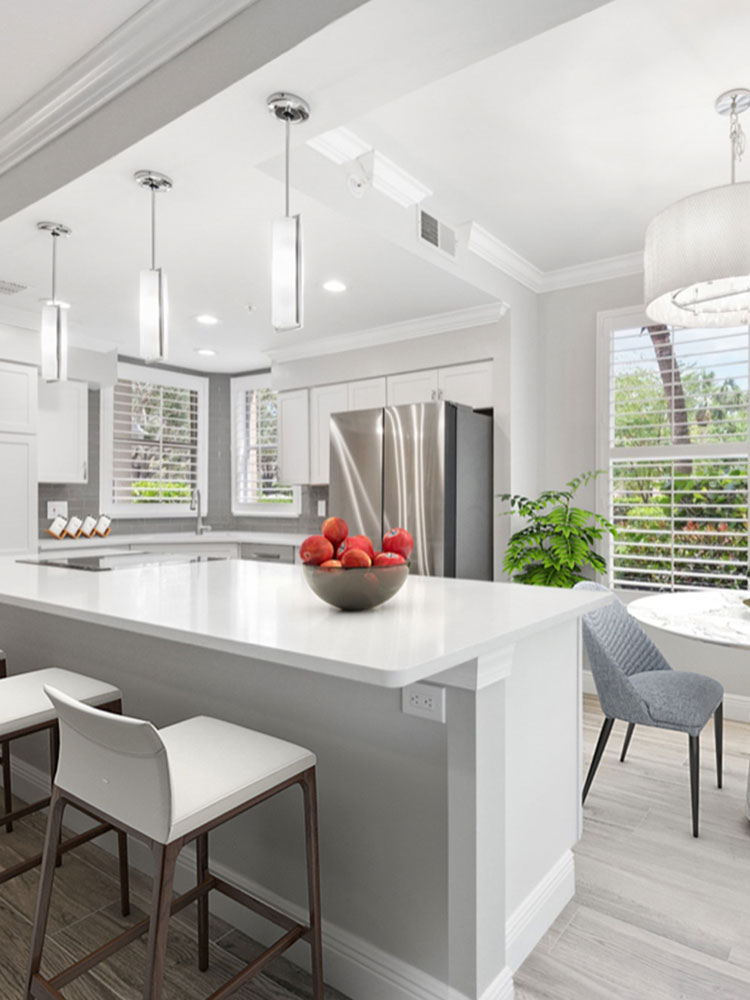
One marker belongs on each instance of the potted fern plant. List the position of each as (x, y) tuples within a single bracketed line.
[(558, 541)]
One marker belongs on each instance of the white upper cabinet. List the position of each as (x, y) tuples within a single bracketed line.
[(367, 394), (324, 400), (63, 436), (412, 387), (18, 493), (294, 437), (469, 384), (18, 398)]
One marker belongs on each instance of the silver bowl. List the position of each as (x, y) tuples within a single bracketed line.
[(355, 589)]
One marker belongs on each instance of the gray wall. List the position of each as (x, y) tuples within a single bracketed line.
[(84, 498)]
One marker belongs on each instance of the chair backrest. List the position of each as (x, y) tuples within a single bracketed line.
[(115, 764), (617, 648)]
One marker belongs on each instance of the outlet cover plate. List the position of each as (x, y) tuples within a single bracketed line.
[(426, 701), (57, 508), (321, 508)]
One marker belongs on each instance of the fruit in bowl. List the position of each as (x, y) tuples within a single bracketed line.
[(356, 578)]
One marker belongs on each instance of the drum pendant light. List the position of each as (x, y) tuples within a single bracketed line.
[(54, 333), (154, 305), (286, 253), (697, 253)]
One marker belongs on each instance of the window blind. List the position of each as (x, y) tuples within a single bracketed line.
[(256, 443), (678, 458), (155, 443)]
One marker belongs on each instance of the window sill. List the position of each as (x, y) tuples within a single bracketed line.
[(256, 512)]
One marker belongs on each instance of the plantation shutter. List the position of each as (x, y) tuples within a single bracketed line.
[(256, 443), (155, 443), (678, 448)]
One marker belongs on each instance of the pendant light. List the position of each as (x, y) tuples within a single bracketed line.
[(697, 255), (154, 304), (286, 253), (54, 338)]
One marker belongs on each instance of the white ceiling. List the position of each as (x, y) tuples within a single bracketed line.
[(563, 146), (44, 37)]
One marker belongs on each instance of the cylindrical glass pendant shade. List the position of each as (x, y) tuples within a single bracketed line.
[(286, 274), (697, 260), (54, 342), (154, 319)]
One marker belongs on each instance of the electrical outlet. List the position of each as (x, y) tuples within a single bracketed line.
[(426, 701), (321, 508), (57, 508)]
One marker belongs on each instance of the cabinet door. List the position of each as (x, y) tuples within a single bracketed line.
[(294, 437), (412, 387), (63, 432), (367, 394), (18, 398), (324, 400), (468, 384), (18, 493)]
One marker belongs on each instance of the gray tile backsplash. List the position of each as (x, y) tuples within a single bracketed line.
[(84, 498)]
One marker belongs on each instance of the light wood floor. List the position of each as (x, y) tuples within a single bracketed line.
[(657, 915)]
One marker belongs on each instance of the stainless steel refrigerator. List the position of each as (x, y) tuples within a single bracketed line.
[(426, 467)]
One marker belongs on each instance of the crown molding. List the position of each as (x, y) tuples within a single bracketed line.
[(152, 36), (595, 270), (482, 243), (424, 326)]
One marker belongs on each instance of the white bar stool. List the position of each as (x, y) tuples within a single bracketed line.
[(169, 787), (26, 709)]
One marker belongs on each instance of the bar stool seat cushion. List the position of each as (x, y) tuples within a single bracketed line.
[(23, 702), (215, 766)]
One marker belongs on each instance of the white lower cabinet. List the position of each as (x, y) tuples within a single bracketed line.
[(63, 435), (18, 493)]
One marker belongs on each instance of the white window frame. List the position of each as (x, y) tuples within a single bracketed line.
[(607, 322), (156, 376), (238, 386)]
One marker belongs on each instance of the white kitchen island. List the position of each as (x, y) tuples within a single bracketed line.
[(445, 849)]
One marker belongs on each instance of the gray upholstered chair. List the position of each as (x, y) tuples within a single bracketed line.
[(636, 684)]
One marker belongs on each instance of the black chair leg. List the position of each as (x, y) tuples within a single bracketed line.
[(719, 738), (626, 741), (598, 752), (695, 764)]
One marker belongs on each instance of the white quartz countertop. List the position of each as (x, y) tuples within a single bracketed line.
[(268, 612), (173, 538), (711, 615)]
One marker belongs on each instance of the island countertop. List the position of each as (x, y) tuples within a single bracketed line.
[(267, 612)]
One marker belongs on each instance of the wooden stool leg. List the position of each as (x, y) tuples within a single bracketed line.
[(7, 789), (309, 789), (201, 857), (44, 895), (122, 850), (165, 860)]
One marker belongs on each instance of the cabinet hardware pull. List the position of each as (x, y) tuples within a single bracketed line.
[(85, 471), (265, 556)]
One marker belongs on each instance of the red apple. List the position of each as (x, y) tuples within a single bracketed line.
[(398, 540), (335, 530), (357, 542), (355, 558), (315, 550), (389, 559), (330, 564)]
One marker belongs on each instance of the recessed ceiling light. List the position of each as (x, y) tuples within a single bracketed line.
[(206, 319), (334, 285), (207, 352)]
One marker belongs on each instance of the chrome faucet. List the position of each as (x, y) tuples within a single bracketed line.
[(195, 504)]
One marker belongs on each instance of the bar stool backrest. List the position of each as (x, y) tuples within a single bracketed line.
[(114, 763)]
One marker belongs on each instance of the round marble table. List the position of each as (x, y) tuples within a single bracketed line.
[(710, 615)]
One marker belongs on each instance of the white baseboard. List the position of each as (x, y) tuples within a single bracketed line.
[(736, 706), (539, 910), (352, 965)]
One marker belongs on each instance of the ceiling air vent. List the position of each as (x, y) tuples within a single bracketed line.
[(437, 234), (11, 287)]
